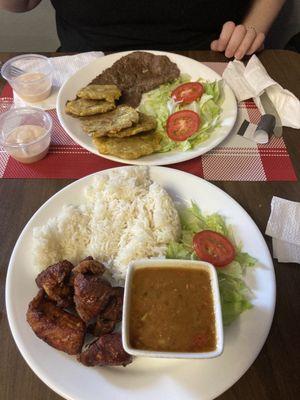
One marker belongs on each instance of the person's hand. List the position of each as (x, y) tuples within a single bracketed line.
[(238, 40)]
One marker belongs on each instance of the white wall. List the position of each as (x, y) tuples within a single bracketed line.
[(35, 31)]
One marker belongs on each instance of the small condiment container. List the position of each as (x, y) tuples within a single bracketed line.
[(25, 133), (30, 75), (130, 292)]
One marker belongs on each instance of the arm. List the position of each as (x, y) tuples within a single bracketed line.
[(18, 5), (248, 37)]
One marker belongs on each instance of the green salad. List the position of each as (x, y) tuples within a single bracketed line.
[(158, 102), (233, 290)]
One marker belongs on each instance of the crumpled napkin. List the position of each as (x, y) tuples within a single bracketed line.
[(63, 68), (251, 81), (284, 228)]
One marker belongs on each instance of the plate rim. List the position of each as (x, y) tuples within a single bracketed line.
[(185, 156), (9, 276)]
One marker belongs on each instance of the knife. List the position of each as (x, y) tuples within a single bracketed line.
[(270, 109)]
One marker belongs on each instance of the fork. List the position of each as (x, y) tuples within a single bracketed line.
[(14, 71)]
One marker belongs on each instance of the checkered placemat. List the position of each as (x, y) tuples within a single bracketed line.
[(236, 159)]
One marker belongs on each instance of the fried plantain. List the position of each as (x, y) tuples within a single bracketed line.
[(146, 123), (100, 92), (100, 125), (85, 107), (129, 148)]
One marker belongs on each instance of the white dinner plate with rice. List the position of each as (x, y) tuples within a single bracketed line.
[(147, 378), (186, 65)]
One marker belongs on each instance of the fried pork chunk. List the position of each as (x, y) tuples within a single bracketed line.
[(89, 265), (146, 123), (111, 315), (129, 148), (91, 292), (106, 351), (100, 92), (114, 121), (55, 282), (55, 326), (86, 107)]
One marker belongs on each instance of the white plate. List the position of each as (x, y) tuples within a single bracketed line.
[(147, 378), (186, 65)]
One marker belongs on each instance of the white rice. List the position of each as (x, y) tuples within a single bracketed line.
[(125, 216)]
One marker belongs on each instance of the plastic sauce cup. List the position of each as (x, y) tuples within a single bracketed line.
[(30, 76), (25, 133)]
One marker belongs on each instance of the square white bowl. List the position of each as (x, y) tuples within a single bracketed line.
[(163, 263)]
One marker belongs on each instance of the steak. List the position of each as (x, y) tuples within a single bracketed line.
[(138, 73)]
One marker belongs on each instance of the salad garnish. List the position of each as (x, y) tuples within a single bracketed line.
[(170, 98), (235, 295)]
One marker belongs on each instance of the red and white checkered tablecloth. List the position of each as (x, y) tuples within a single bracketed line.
[(236, 159)]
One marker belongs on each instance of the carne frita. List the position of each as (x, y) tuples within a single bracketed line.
[(92, 294), (107, 350), (55, 326), (55, 282), (111, 315)]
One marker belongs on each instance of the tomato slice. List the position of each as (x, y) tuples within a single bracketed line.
[(182, 124), (214, 248), (188, 92)]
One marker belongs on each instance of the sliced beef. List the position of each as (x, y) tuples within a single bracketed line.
[(137, 73)]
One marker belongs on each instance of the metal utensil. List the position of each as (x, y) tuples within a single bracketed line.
[(270, 109)]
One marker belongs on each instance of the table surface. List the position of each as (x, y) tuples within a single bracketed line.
[(275, 373)]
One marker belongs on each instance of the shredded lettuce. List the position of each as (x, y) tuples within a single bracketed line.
[(234, 292), (208, 107)]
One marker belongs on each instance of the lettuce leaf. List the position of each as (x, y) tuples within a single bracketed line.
[(208, 107), (234, 292)]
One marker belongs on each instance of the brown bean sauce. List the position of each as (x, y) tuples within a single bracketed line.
[(171, 309)]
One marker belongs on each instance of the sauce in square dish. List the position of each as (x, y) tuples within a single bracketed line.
[(172, 309)]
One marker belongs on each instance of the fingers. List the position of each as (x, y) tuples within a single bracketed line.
[(214, 45), (235, 40), (246, 44), (227, 31), (258, 43), (238, 41)]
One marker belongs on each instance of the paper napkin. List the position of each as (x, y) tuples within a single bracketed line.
[(251, 81), (63, 67), (284, 228)]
